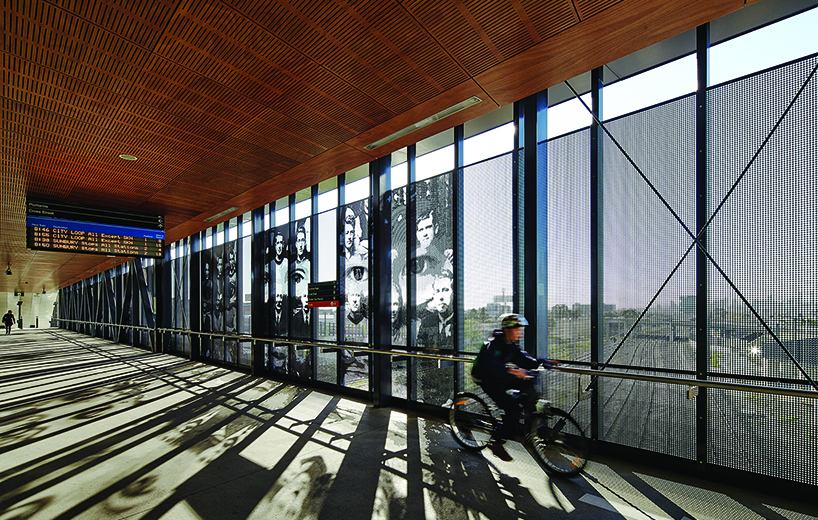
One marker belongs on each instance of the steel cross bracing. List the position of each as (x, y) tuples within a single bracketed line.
[(697, 238)]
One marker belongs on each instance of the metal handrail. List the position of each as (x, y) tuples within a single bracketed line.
[(704, 383), (369, 348)]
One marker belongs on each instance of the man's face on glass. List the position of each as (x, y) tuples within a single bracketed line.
[(279, 244), (300, 244), (349, 235), (395, 306), (426, 231), (355, 302), (442, 298), (279, 302)]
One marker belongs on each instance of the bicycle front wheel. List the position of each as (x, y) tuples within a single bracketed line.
[(471, 421), (558, 441)]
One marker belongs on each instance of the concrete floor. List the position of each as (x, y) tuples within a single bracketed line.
[(94, 430)]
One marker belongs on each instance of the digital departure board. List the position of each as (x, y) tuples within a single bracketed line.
[(57, 226)]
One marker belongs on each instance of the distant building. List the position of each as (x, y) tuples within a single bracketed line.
[(497, 309), (501, 305), (585, 309), (687, 304)]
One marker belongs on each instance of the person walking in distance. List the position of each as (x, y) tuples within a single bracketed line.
[(8, 321)]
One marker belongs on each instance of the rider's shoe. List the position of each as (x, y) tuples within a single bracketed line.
[(499, 451)]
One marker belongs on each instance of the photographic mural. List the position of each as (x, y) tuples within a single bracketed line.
[(355, 269), (431, 264), (432, 268), (231, 301), (219, 292), (300, 322), (279, 280), (207, 300), (421, 288), (397, 309)]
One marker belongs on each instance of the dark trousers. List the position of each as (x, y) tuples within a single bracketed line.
[(8, 329), (526, 398)]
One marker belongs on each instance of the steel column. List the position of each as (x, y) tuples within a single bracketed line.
[(702, 347)]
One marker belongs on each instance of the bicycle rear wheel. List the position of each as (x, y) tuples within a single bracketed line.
[(558, 441), (471, 421)]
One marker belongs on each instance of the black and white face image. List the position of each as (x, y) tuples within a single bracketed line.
[(442, 294), (426, 231), (279, 266), (300, 277), (355, 302), (278, 244), (349, 238), (395, 308), (300, 265), (207, 291), (300, 244), (430, 265), (219, 266), (355, 268)]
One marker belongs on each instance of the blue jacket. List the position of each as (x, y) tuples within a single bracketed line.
[(489, 368)]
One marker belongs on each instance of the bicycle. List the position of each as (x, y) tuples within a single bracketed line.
[(552, 434)]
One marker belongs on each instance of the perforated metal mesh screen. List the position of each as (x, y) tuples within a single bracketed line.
[(762, 287), (432, 271), (569, 246), (487, 225), (569, 267), (648, 271), (180, 298), (648, 262), (487, 248)]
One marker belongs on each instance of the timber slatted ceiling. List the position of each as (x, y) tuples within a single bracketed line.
[(588, 8), (141, 24), (230, 102), (550, 17)]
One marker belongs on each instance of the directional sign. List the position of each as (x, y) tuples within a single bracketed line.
[(323, 292)]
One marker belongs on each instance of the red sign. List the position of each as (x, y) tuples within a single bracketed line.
[(323, 304)]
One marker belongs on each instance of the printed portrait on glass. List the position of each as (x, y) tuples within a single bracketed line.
[(300, 324), (207, 294), (219, 300), (355, 269), (398, 257), (231, 294), (280, 280), (432, 263)]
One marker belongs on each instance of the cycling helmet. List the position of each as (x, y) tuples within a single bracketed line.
[(510, 321)]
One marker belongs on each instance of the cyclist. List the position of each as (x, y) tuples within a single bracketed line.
[(502, 365)]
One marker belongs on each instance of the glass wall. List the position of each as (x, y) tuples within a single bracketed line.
[(624, 244)]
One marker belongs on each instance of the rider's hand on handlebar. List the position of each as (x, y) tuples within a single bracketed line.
[(519, 372)]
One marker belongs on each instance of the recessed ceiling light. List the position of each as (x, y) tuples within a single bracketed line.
[(223, 213), (446, 112), (127, 157)]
